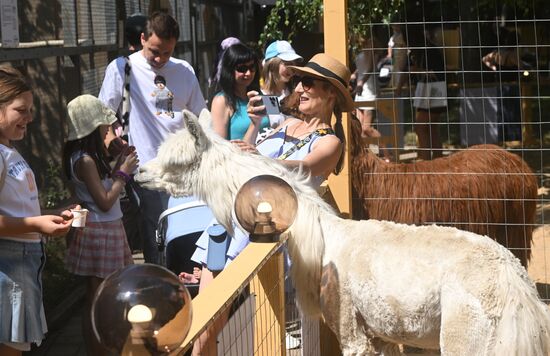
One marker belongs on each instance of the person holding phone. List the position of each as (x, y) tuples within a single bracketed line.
[(310, 142), (239, 74)]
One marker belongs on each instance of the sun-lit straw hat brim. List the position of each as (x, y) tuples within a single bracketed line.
[(326, 67), (86, 113)]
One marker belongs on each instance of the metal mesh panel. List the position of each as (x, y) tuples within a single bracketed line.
[(460, 74), (104, 21), (184, 20), (84, 25), (69, 22)]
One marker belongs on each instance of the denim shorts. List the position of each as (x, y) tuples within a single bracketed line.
[(22, 318)]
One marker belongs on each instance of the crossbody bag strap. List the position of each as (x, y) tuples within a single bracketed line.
[(296, 147), (125, 117)]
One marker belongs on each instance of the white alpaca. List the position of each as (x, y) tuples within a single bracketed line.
[(376, 283)]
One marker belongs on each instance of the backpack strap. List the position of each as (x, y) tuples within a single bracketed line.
[(125, 114)]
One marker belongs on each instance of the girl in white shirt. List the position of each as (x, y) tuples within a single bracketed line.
[(22, 319)]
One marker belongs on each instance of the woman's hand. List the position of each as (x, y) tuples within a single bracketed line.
[(255, 109), (245, 146)]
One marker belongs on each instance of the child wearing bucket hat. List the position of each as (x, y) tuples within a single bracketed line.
[(100, 247), (279, 56), (311, 143)]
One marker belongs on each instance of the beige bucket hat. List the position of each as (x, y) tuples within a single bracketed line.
[(86, 113), (326, 67)]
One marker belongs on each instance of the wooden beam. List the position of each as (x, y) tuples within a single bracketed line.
[(336, 45), (212, 301)]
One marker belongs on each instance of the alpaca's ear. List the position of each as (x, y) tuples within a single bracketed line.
[(205, 119), (192, 125)]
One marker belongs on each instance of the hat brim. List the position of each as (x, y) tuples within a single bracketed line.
[(109, 119), (289, 57), (346, 102)]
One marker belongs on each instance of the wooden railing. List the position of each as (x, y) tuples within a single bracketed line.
[(259, 266)]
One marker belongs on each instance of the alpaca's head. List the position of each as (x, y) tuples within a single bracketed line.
[(178, 157)]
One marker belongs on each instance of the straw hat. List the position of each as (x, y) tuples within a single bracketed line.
[(328, 68), (86, 113)]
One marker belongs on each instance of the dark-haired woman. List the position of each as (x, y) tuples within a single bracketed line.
[(239, 74)]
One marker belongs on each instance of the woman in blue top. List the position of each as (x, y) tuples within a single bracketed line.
[(239, 74)]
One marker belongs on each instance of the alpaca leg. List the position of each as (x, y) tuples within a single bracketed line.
[(376, 347), (357, 338), (465, 329)]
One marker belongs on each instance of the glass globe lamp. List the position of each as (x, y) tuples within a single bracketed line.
[(265, 206), (142, 309)]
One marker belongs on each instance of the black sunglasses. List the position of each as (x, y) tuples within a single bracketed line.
[(307, 81), (243, 68)]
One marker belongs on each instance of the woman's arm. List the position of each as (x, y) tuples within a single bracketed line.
[(221, 113), (86, 171), (322, 159)]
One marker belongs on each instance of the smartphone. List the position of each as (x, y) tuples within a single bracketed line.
[(271, 103)]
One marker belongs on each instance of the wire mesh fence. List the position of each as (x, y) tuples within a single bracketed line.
[(250, 309), (454, 96)]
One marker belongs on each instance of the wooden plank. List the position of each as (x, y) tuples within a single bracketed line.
[(269, 319), (336, 45), (226, 286)]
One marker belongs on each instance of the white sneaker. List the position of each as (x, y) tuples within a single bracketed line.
[(292, 342)]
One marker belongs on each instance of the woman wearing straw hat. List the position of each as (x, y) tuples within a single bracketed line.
[(321, 90)]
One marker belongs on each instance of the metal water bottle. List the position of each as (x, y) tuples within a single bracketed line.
[(218, 243)]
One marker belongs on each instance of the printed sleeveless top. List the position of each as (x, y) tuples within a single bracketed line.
[(276, 145)]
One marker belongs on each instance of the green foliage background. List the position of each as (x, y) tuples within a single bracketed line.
[(290, 17)]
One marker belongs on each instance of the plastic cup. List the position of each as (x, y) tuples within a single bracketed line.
[(79, 219)]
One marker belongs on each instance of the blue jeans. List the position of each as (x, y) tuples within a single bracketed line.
[(152, 203)]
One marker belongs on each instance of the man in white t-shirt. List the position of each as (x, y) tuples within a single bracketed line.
[(150, 119)]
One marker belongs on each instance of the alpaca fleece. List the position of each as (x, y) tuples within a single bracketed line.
[(484, 189)]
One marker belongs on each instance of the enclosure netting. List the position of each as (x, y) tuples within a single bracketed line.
[(458, 97)]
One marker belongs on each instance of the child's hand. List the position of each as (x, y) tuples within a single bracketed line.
[(130, 163), (122, 158), (117, 146), (67, 214), (53, 225)]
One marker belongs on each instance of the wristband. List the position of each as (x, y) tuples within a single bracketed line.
[(124, 176)]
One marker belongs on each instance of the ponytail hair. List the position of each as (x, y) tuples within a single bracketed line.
[(339, 132)]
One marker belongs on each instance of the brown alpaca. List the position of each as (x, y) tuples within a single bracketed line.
[(483, 189)]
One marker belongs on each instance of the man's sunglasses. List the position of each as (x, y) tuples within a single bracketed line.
[(307, 81), (243, 68)]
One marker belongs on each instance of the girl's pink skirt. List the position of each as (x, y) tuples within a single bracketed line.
[(98, 249)]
